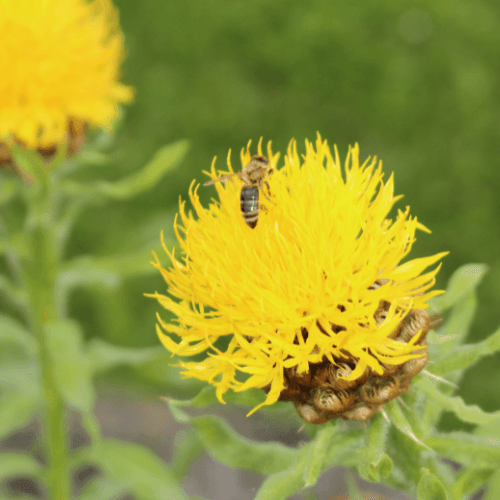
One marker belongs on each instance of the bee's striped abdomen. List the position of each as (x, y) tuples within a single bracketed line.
[(249, 204)]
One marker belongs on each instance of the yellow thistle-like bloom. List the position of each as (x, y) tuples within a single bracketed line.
[(304, 287), (59, 65)]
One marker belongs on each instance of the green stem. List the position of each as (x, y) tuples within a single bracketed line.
[(40, 272)]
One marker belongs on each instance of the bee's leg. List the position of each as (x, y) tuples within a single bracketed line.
[(268, 190)]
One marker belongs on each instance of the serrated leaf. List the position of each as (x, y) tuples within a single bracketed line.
[(18, 464), (105, 356), (318, 453), (165, 160), (462, 357), (462, 282), (430, 488), (472, 451), (237, 452), (137, 467), (71, 368), (472, 414), (284, 484), (469, 481)]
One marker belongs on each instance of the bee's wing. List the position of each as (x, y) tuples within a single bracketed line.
[(224, 178)]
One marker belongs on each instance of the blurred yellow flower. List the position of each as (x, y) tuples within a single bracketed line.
[(60, 63), (304, 286)]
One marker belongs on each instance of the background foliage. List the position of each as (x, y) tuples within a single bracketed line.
[(415, 83)]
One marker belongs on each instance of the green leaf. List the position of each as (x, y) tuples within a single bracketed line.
[(108, 271), (18, 464), (376, 436), (318, 453), (188, 448), (13, 332), (472, 451), (179, 415), (371, 471), (445, 472), (463, 281), (105, 356), (12, 294), (205, 397), (462, 357), (71, 367), (83, 272), (16, 243), (430, 488), (103, 488), (457, 327), (345, 448), (250, 398), (284, 484), (493, 486), (384, 465), (237, 452), (17, 408), (9, 187), (471, 414), (165, 160), (139, 469), (125, 265), (401, 422), (489, 430), (469, 481), (352, 487), (28, 161), (403, 451)]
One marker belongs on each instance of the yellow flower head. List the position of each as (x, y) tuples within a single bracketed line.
[(298, 288), (60, 61)]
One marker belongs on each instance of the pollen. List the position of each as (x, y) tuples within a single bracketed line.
[(317, 304)]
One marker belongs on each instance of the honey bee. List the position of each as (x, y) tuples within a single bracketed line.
[(253, 175)]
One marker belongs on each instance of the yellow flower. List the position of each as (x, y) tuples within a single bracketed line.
[(60, 62), (305, 286)]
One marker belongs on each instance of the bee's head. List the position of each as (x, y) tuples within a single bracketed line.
[(261, 159)]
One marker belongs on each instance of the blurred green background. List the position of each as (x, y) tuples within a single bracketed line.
[(415, 83)]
